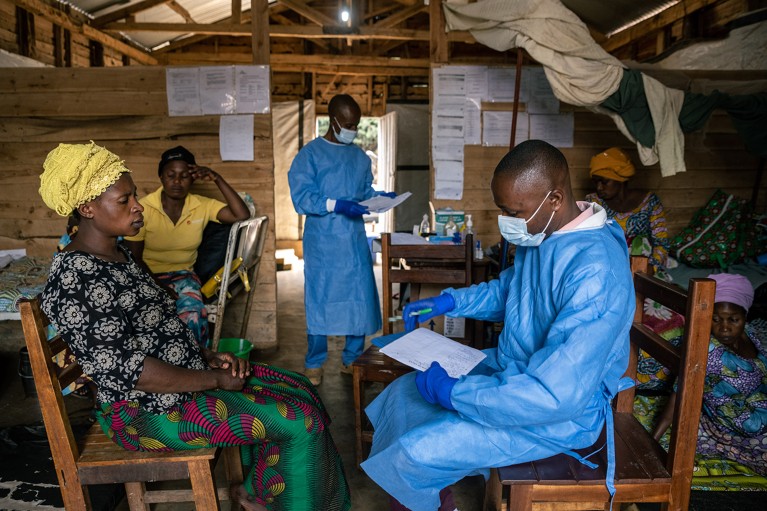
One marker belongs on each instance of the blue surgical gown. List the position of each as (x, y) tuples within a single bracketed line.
[(567, 307), (339, 286)]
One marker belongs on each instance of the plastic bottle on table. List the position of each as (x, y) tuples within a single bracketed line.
[(425, 227), (450, 227), (469, 229)]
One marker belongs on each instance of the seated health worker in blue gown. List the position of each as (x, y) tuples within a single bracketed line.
[(328, 179), (567, 304)]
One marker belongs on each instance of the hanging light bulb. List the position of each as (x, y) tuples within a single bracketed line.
[(345, 15)]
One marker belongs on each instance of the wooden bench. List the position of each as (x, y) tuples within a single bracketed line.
[(644, 471), (95, 459)]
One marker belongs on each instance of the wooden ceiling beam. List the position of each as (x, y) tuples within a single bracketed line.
[(60, 18), (283, 20), (309, 13), (126, 12), (386, 47), (181, 11), (322, 65), (400, 16), (381, 10), (348, 60), (236, 16), (298, 31)]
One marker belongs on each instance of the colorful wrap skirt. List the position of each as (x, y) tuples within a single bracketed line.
[(290, 460)]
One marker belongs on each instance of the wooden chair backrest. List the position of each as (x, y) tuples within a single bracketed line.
[(49, 383), (688, 361), (452, 266)]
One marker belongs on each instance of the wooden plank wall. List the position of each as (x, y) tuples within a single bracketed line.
[(125, 110), (715, 158), (43, 45)]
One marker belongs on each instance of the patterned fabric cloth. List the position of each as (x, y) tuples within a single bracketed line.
[(22, 278), (708, 473), (113, 315), (645, 228), (720, 234), (189, 304), (278, 419)]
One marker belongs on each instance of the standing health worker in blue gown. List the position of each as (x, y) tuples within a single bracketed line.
[(328, 179), (567, 304)]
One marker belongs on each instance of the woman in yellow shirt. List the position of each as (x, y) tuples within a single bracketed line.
[(173, 223)]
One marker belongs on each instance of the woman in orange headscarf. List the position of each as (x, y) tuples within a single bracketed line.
[(639, 212)]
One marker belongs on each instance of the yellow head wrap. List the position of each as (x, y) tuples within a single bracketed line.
[(612, 164), (74, 174)]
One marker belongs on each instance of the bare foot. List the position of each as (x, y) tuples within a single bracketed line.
[(242, 497)]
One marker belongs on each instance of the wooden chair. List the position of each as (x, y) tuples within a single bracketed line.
[(246, 241), (644, 471), (95, 459), (446, 265)]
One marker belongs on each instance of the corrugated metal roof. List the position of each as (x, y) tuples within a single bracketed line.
[(611, 16)]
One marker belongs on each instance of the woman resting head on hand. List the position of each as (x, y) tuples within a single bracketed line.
[(174, 221), (158, 390)]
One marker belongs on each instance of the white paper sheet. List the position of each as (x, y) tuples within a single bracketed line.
[(217, 90), (472, 122), (235, 135), (182, 85), (538, 96), (448, 179), (252, 86), (381, 204), (500, 84), (496, 128), (421, 347), (449, 87), (557, 130), (476, 82)]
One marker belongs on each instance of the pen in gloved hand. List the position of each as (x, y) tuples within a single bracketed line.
[(418, 313)]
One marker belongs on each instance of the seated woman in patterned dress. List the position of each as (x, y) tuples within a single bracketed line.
[(734, 419), (640, 213), (158, 390)]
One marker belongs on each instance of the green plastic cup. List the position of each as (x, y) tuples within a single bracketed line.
[(240, 347)]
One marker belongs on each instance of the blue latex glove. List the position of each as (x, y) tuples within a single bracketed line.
[(435, 385), (429, 308), (350, 208), (391, 195)]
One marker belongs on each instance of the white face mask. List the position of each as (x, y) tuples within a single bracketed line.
[(514, 230), (344, 136)]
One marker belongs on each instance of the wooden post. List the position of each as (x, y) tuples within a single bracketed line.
[(438, 47), (517, 85), (259, 11), (236, 12)]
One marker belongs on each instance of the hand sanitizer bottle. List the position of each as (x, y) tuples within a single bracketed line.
[(469, 226), (425, 226)]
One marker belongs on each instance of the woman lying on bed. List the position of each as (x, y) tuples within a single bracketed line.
[(158, 390), (733, 423)]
